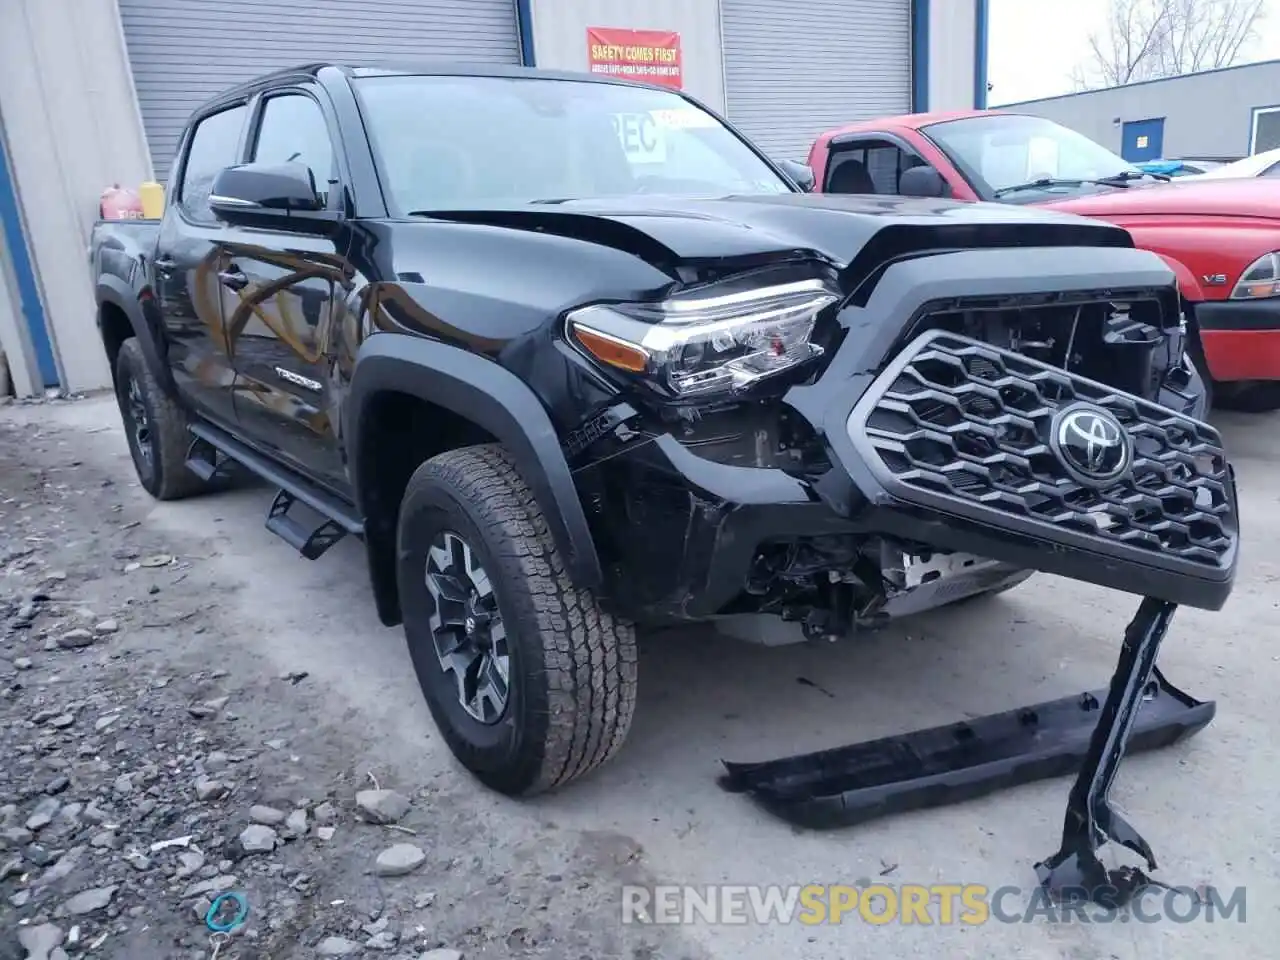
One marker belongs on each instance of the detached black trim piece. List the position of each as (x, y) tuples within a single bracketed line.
[(1239, 314), (950, 764)]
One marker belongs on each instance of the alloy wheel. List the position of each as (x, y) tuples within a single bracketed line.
[(139, 420), (470, 637)]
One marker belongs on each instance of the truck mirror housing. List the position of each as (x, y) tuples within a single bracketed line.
[(801, 173), (281, 195), (923, 181)]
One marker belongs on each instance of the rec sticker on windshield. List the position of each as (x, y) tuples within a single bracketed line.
[(683, 119), (643, 139)]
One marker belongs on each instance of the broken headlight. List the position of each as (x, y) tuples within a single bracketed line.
[(1260, 279), (692, 347)]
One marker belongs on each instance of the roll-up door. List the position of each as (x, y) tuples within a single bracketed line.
[(183, 52), (794, 68)]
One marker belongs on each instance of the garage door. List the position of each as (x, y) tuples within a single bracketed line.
[(183, 53), (794, 68)]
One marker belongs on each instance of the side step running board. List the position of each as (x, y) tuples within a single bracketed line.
[(849, 785), (1086, 735), (214, 449)]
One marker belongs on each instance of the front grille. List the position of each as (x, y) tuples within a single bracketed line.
[(964, 427)]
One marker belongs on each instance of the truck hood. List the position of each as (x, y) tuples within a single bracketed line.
[(1253, 198), (669, 230)]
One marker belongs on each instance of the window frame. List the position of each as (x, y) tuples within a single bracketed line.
[(179, 176), (1255, 116), (336, 194), (852, 143)]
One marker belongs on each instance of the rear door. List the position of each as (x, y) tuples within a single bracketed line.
[(188, 264), (282, 292)]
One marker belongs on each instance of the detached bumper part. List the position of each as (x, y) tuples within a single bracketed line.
[(1088, 733), (1074, 873)]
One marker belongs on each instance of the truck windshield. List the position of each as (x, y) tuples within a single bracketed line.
[(445, 142), (1029, 159)]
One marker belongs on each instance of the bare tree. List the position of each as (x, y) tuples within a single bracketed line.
[(1151, 39)]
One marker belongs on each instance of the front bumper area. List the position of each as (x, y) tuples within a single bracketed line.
[(1240, 338), (946, 448), (950, 446)]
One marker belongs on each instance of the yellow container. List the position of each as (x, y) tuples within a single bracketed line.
[(152, 196)]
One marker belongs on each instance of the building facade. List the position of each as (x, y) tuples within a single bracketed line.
[(96, 92), (1231, 112)]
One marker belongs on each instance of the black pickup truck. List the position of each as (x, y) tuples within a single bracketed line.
[(569, 354)]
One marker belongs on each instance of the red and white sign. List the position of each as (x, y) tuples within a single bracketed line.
[(647, 56)]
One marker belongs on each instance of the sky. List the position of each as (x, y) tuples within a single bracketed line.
[(1033, 45)]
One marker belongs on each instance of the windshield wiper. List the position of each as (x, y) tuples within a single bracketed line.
[(1128, 176), (1038, 184), (1121, 179)]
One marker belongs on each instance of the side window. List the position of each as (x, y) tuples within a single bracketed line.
[(870, 166), (293, 129), (212, 147), (1272, 171)]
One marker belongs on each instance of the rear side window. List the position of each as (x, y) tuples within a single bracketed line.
[(872, 166), (293, 129), (1272, 171), (212, 147)]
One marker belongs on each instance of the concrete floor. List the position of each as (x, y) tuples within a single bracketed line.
[(1208, 807)]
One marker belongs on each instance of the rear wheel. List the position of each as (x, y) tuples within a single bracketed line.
[(156, 428), (529, 681)]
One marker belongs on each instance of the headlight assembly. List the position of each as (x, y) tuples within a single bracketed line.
[(708, 346), (1260, 279)]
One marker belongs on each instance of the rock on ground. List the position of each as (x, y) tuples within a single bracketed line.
[(338, 947), (381, 806), (397, 860), (89, 900), (256, 838)]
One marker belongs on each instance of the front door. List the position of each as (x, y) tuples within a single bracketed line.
[(188, 265), (1142, 140), (281, 293)]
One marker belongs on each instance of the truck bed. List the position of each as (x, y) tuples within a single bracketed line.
[(123, 248)]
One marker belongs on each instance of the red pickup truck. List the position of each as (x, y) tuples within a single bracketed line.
[(1222, 238)]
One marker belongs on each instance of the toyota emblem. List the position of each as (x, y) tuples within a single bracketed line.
[(1092, 444)]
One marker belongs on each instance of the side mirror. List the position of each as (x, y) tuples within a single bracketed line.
[(801, 173), (278, 195), (923, 181)]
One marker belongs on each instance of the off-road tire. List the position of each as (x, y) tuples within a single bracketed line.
[(1196, 351), (1258, 397), (572, 670), (166, 477)]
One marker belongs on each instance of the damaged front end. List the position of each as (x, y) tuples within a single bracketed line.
[(977, 416)]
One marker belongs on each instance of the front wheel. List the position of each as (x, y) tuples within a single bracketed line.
[(529, 681), (1262, 396)]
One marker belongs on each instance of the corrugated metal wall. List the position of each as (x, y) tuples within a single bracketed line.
[(794, 68), (1205, 114), (184, 52)]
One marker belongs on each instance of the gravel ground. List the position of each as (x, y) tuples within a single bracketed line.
[(187, 708)]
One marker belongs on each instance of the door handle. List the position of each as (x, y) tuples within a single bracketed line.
[(234, 278)]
